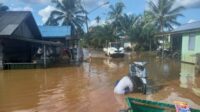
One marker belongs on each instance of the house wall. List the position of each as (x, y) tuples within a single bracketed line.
[(23, 30), (189, 55), (16, 51)]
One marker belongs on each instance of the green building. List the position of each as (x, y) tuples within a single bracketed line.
[(187, 39), (190, 41), (190, 46)]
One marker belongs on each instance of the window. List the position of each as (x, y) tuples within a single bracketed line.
[(191, 44)]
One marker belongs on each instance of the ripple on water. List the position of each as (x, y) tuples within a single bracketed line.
[(89, 87)]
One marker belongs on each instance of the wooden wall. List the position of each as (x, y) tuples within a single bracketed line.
[(16, 51), (23, 32)]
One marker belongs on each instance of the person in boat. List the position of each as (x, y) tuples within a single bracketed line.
[(129, 82)]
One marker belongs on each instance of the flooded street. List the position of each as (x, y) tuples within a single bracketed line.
[(89, 87)]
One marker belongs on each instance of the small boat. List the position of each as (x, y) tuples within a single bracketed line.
[(139, 105)]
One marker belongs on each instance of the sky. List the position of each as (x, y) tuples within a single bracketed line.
[(42, 8)]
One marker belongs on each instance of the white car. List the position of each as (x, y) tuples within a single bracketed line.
[(114, 49)]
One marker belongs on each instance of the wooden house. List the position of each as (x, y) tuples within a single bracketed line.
[(19, 38)]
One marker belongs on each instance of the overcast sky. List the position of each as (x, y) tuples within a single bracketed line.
[(41, 8)]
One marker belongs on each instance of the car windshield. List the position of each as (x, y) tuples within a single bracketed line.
[(117, 45)]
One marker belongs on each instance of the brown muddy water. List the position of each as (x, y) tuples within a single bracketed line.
[(89, 87)]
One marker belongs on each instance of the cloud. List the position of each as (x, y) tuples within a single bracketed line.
[(91, 4), (94, 23), (45, 13), (191, 21), (1, 1), (34, 1), (26, 8), (188, 3), (102, 2), (185, 3), (129, 13)]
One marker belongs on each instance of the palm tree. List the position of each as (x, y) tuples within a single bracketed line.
[(3, 7), (127, 23), (99, 36), (68, 12), (163, 14), (149, 30), (98, 19), (115, 14)]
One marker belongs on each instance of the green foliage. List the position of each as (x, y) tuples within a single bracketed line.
[(139, 29), (115, 14), (3, 7), (163, 15), (98, 37), (98, 19), (127, 23), (68, 12)]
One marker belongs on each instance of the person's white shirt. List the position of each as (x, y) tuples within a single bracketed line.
[(39, 51), (122, 84)]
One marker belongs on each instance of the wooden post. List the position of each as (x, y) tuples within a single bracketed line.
[(44, 51), (1, 56)]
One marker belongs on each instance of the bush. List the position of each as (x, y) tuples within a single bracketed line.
[(140, 48)]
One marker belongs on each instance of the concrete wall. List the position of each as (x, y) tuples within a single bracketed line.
[(189, 55)]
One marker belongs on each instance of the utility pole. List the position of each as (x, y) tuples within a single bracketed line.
[(86, 13)]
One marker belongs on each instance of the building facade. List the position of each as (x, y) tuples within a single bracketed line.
[(187, 36), (19, 39), (190, 47)]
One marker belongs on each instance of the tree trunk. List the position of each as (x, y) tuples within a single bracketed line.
[(161, 23), (150, 49)]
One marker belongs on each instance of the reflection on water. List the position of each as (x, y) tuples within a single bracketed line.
[(89, 87), (113, 63), (187, 75), (188, 78)]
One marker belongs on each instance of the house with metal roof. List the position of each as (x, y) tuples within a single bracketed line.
[(55, 33), (189, 36), (62, 34), (19, 38), (17, 29)]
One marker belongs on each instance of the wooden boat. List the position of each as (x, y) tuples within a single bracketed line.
[(138, 105)]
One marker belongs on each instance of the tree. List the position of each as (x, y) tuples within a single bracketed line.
[(115, 14), (139, 31), (98, 36), (3, 7), (127, 22), (68, 12), (164, 14), (149, 31), (98, 19)]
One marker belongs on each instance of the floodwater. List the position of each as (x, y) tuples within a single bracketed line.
[(89, 87)]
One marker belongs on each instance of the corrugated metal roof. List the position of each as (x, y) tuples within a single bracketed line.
[(9, 29), (10, 21), (188, 26), (10, 18), (55, 31)]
